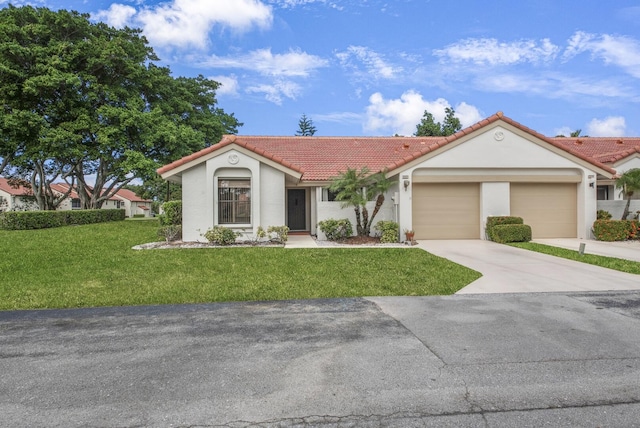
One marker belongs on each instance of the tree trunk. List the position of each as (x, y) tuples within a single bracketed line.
[(358, 222), (365, 222), (379, 202), (625, 213)]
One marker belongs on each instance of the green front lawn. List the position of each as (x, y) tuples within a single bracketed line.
[(621, 265), (94, 265)]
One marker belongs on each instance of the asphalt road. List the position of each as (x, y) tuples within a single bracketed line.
[(525, 360)]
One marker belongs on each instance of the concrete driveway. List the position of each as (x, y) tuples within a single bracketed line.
[(511, 360), (507, 269)]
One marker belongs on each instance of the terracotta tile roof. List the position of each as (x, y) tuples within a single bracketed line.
[(63, 188), (604, 149), (321, 158), (14, 190), (131, 196)]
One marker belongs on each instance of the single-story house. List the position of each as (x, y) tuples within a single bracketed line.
[(621, 154), (445, 187), (132, 203), (15, 197)]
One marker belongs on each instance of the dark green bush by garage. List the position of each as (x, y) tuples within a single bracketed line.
[(499, 221), (27, 220), (505, 233)]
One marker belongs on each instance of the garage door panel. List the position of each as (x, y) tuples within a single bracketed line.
[(549, 208), (446, 210)]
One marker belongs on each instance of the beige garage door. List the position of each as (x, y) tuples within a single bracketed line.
[(446, 211), (549, 208)]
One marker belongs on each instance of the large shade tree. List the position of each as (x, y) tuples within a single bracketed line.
[(629, 184), (85, 103), (356, 188)]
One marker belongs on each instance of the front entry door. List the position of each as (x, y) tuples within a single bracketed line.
[(296, 209)]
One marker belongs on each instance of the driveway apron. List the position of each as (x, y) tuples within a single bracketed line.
[(507, 269)]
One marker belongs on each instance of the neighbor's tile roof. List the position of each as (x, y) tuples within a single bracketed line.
[(63, 188), (603, 149), (13, 190), (321, 158), (131, 196)]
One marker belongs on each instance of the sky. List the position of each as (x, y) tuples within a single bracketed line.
[(372, 67)]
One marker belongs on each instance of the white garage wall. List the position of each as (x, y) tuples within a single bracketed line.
[(503, 149)]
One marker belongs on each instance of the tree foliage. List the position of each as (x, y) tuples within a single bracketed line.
[(428, 127), (83, 102), (629, 184), (356, 188), (305, 127)]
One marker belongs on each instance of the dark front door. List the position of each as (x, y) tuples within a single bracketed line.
[(296, 209)]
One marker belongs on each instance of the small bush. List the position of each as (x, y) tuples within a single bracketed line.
[(389, 231), (603, 215), (505, 233), (281, 233), (172, 213), (172, 232), (221, 235), (336, 230), (498, 221), (615, 230), (29, 220)]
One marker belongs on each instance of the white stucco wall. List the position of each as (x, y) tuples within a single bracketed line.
[(199, 186), (616, 208), (502, 150), (272, 198)]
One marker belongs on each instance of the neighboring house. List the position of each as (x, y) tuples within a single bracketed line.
[(445, 187), (621, 154), (133, 204), (15, 197)]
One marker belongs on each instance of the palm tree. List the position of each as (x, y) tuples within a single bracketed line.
[(355, 188), (629, 183)]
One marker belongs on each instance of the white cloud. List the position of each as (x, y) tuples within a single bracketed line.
[(287, 4), (118, 15), (401, 115), (565, 130), (621, 51), (277, 91), (373, 62), (612, 126), (338, 117), (554, 85), (492, 52), (291, 64), (228, 84), (187, 23)]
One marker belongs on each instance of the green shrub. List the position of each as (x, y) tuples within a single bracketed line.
[(498, 221), (603, 215), (172, 232), (28, 220), (389, 231), (172, 213), (281, 233), (505, 233), (336, 230), (615, 230), (221, 235)]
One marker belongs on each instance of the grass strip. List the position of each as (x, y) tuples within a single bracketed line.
[(614, 263), (94, 265)]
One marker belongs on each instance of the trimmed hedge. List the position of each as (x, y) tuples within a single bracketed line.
[(505, 233), (615, 230), (499, 221), (28, 220), (336, 230)]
